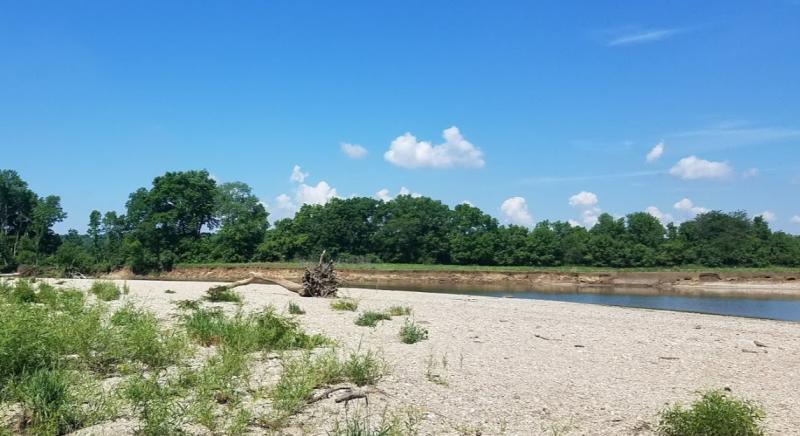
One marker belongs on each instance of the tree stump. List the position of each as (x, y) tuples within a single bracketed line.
[(320, 281)]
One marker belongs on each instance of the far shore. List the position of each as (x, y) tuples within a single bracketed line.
[(732, 283)]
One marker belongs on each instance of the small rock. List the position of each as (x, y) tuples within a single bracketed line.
[(697, 327), (760, 344), (745, 350)]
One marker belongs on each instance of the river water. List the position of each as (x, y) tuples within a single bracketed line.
[(767, 308)]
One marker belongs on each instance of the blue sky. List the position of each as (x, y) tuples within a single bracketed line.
[(556, 104)]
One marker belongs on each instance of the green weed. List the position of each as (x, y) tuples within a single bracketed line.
[(715, 413), (106, 291), (411, 333), (371, 319), (345, 304)]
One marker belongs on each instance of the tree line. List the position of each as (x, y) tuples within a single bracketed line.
[(187, 217)]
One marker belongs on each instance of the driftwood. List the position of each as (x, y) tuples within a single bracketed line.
[(320, 281)]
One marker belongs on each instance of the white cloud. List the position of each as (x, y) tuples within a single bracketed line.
[(768, 216), (687, 207), (405, 151), (655, 152), (515, 210), (657, 214), (353, 151), (285, 203), (587, 203), (795, 219), (573, 223), (692, 168), (319, 194), (583, 199), (298, 175), (383, 194), (643, 36), (752, 172)]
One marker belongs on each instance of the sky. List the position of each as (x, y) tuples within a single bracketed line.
[(554, 110)]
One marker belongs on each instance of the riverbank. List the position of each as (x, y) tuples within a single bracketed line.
[(721, 282), (520, 367)]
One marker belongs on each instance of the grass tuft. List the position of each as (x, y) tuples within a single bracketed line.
[(715, 413), (399, 311), (106, 291), (345, 304), (371, 319), (222, 294), (295, 309), (411, 333)]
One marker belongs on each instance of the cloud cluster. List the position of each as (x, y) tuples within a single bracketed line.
[(687, 207), (768, 216), (320, 193), (692, 168), (655, 152), (353, 151), (385, 195), (407, 152), (750, 173), (665, 218), (516, 211), (586, 202), (298, 175), (795, 219)]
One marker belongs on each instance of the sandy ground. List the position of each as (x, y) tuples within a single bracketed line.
[(528, 367)]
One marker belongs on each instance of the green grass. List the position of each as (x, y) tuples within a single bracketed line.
[(371, 319), (302, 374), (158, 405), (106, 291), (345, 304), (411, 333), (222, 294), (295, 309), (715, 413), (260, 331), (481, 268), (399, 311)]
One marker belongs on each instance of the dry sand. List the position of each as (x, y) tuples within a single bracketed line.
[(530, 367)]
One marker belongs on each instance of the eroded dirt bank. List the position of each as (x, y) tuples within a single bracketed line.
[(782, 284)]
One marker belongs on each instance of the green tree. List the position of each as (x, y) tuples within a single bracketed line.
[(473, 237), (17, 202), (413, 230), (243, 223)]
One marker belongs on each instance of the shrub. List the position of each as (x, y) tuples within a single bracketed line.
[(715, 413), (364, 369), (138, 337), (106, 291), (295, 309), (399, 311), (224, 294), (188, 304), (345, 304), (411, 333), (370, 319)]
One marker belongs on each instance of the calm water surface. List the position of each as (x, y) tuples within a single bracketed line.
[(769, 308)]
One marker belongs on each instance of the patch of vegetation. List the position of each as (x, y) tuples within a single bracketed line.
[(371, 319), (220, 385), (304, 373), (222, 294), (158, 405), (139, 337), (435, 370), (411, 332), (295, 309), (715, 413), (399, 310), (345, 304), (364, 368), (260, 331), (57, 402), (187, 304), (106, 291)]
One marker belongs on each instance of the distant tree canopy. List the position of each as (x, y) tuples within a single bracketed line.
[(187, 217)]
